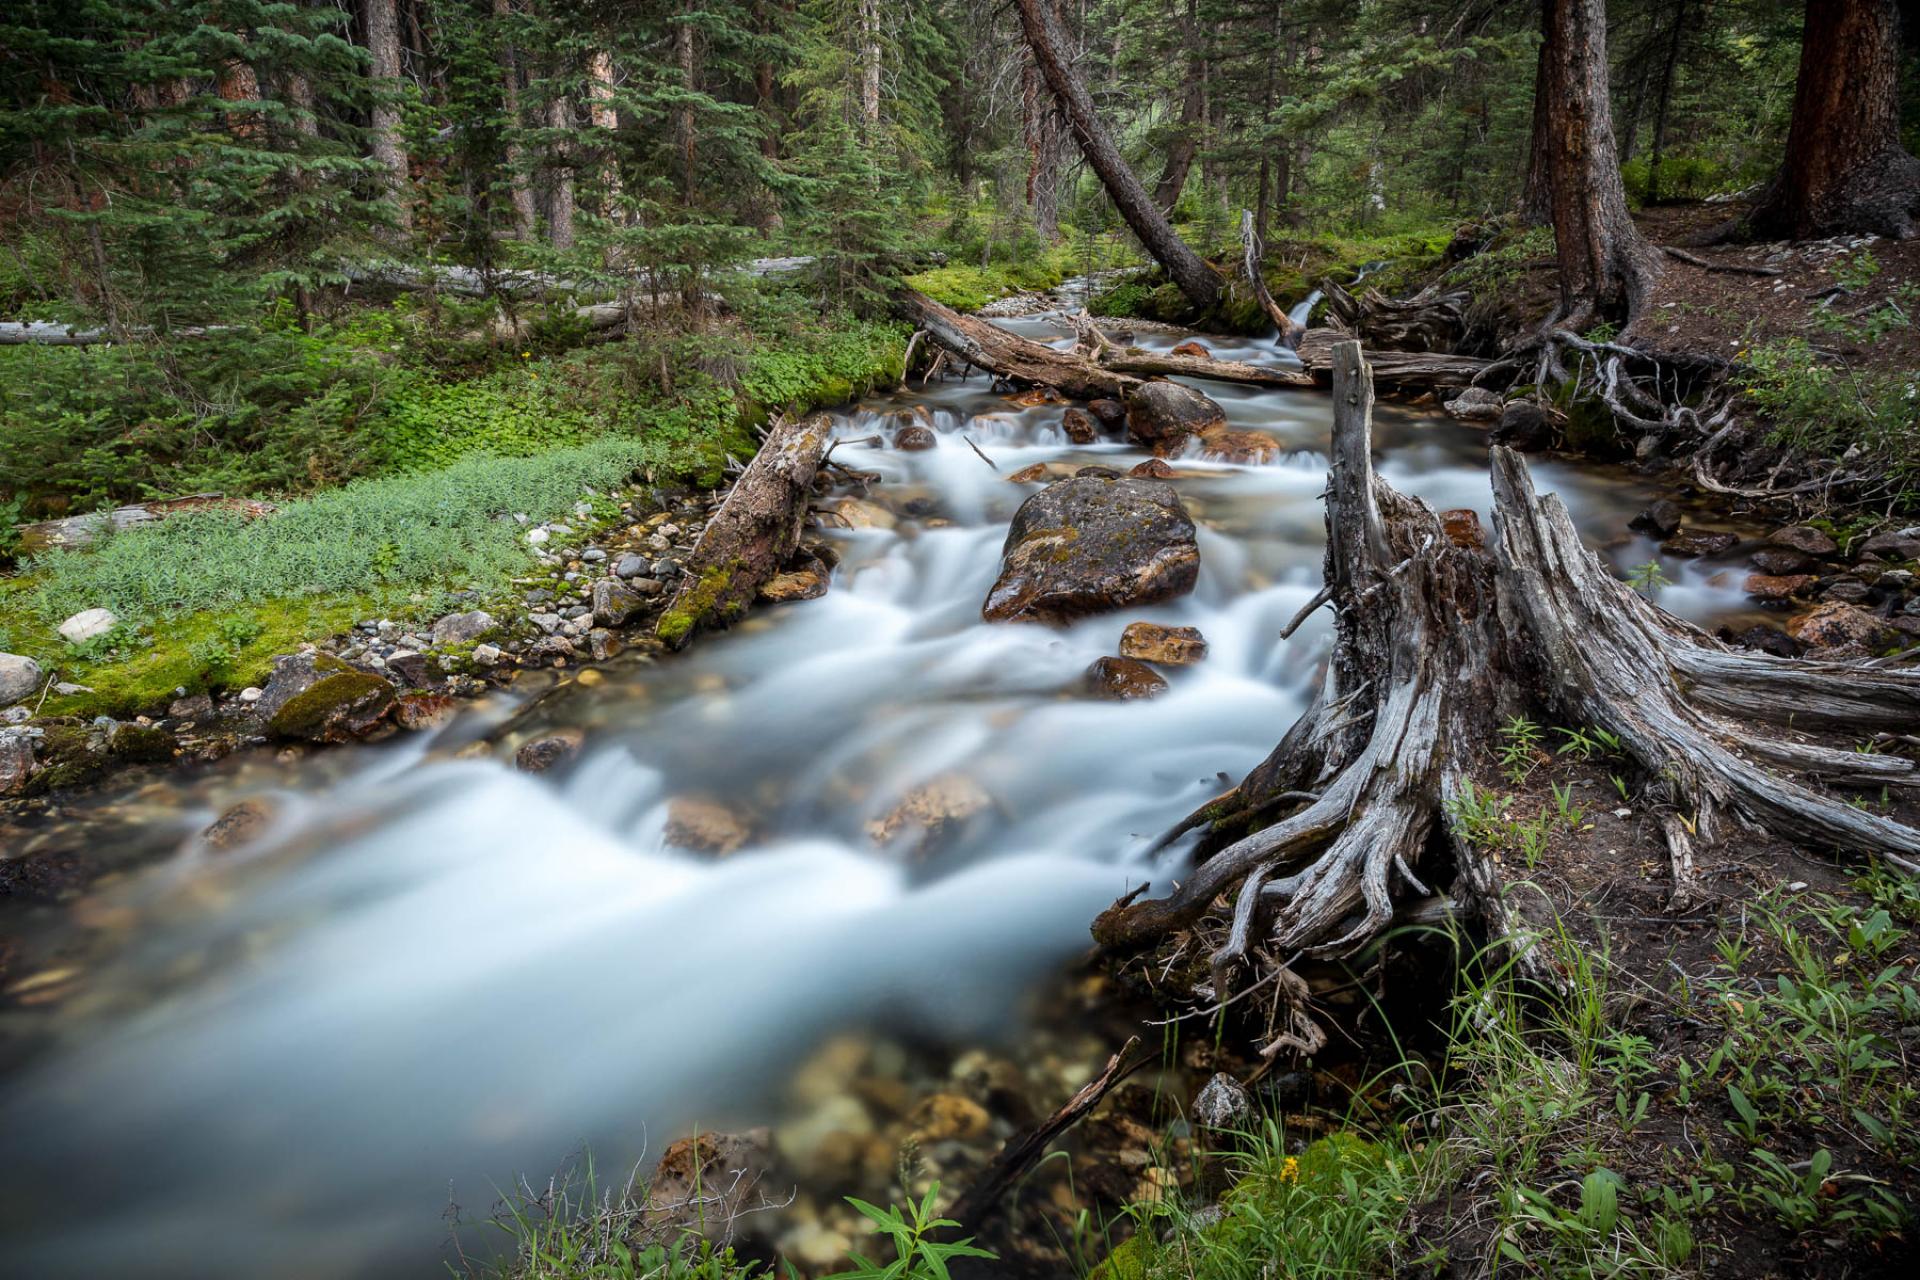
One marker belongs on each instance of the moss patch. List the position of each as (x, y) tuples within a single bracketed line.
[(703, 604)]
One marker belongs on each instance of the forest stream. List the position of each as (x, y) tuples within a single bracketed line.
[(432, 976)]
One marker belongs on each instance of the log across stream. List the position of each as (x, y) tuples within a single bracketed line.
[(436, 973)]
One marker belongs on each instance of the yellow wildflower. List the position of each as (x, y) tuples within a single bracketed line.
[(1290, 1170)]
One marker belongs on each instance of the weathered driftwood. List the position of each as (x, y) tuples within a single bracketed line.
[(987, 346), (79, 531), (1290, 330), (753, 534), (1401, 370), (1431, 320), (1434, 644), (1163, 364)]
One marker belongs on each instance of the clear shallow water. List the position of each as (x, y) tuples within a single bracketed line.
[(435, 975)]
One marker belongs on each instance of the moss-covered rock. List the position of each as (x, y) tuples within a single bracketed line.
[(316, 697)]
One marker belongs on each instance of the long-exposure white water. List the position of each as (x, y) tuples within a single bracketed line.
[(432, 976)]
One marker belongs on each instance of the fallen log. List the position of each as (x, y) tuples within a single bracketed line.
[(1401, 370), (1149, 364), (753, 534), (1435, 646), (79, 531), (987, 346)]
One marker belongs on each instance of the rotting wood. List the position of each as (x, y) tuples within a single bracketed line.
[(1434, 645), (1400, 370), (752, 536), (1290, 331)]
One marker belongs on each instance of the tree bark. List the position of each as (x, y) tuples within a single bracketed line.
[(1845, 169), (1181, 150), (600, 111), (870, 66), (1196, 280), (519, 186), (1676, 35), (383, 42), (685, 131), (1040, 124), (1607, 270), (560, 198), (1434, 644), (1536, 194)]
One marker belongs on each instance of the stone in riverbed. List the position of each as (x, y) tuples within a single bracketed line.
[(1769, 586), (542, 754), (1523, 426), (1124, 680), (1222, 1104), (1476, 404), (703, 1185), (462, 628), (858, 513), (630, 565), (614, 602), (1162, 415), (704, 825), (913, 439), (19, 678), (87, 624), (1088, 545), (1241, 448), (1153, 469), (1661, 519), (1110, 414), (1192, 348), (931, 814), (806, 581), (1837, 625), (1078, 424), (16, 759), (1782, 560), (1693, 542), (1169, 646), (1894, 544), (949, 1117), (1806, 538), (316, 697), (240, 824)]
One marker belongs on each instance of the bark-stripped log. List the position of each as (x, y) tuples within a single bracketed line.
[(987, 346), (1291, 331), (1434, 645), (753, 534), (1400, 370)]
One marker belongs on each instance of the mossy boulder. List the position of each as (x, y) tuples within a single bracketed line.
[(316, 697), (1092, 544)]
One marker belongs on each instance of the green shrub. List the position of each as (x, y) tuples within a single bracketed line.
[(1824, 409)]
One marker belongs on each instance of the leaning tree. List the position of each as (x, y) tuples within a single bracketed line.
[(1436, 643), (1845, 169)]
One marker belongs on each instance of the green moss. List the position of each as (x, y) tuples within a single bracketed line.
[(1130, 1260), (966, 287), (310, 713), (703, 604)]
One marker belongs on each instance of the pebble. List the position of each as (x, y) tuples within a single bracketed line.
[(630, 565), (537, 536), (593, 555), (250, 694), (484, 655)]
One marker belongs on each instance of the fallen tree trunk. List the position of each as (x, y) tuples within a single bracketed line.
[(1161, 364), (987, 346), (1401, 370), (1435, 645), (1290, 331), (753, 534)]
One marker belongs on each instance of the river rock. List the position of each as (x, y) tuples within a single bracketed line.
[(19, 678), (316, 697), (1152, 469), (1524, 426), (1895, 544), (1462, 527), (1804, 537), (705, 825), (806, 581), (1124, 680), (1782, 560), (1110, 414), (614, 602), (1765, 639), (630, 565), (931, 815), (1848, 591), (544, 753), (240, 824), (1078, 424), (462, 628), (1197, 350), (1476, 404), (419, 712), (858, 513), (703, 1183), (16, 759), (1222, 1104), (949, 1117), (913, 439), (1033, 397), (1242, 448), (195, 706), (1040, 473), (1162, 415), (1168, 646), (1775, 587), (1661, 519), (87, 624), (1837, 625), (1693, 542), (602, 644), (1085, 546)]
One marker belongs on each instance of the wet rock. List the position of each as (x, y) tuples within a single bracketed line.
[(1097, 472), (1037, 473), (1124, 680), (462, 628), (547, 622), (1779, 561), (1524, 426), (1847, 591), (1661, 519), (703, 824), (1476, 404), (1765, 639), (487, 655), (1837, 625), (630, 565), (949, 1117), (198, 706), (1242, 448), (1110, 414), (240, 824), (858, 513), (411, 666), (544, 753), (1775, 587), (930, 815), (1079, 426), (1804, 538), (1086, 546), (915, 438), (20, 678), (17, 759), (806, 581), (614, 602), (1152, 469), (316, 697), (1162, 415), (1033, 397), (703, 1183), (549, 651), (1894, 544), (1169, 646), (1692, 542), (1223, 1104), (1192, 348), (1462, 527), (603, 644), (87, 624), (419, 712)]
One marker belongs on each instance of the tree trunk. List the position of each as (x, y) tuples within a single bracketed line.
[(1198, 281), (1436, 642), (753, 534), (1845, 169), (870, 66), (236, 81), (560, 200), (1180, 152), (1040, 123), (685, 133), (1606, 269), (600, 111), (517, 177), (383, 42), (1536, 194), (1657, 153)]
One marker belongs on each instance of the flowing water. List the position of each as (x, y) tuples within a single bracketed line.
[(434, 975)]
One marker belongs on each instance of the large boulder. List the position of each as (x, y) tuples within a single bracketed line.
[(1161, 415), (1089, 545), (316, 697), (19, 678)]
